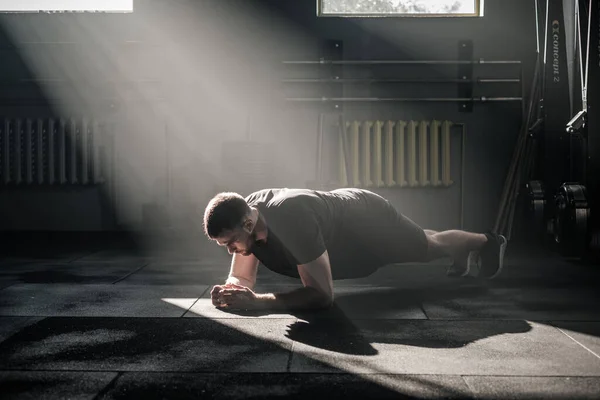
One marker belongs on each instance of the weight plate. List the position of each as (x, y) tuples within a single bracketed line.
[(537, 198), (570, 223), (537, 207)]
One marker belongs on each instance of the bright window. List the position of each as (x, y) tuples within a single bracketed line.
[(400, 8), (66, 5)]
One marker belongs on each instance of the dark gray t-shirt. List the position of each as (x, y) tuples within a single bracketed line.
[(303, 223)]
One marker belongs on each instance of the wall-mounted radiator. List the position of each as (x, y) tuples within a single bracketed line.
[(396, 154), (36, 151)]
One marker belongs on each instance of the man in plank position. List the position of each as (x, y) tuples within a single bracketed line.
[(322, 236)]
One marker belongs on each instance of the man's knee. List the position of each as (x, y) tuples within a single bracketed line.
[(434, 249)]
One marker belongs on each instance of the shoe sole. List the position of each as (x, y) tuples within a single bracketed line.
[(501, 258), (471, 259)]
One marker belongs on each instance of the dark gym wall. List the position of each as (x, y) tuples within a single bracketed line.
[(506, 32), (248, 64)]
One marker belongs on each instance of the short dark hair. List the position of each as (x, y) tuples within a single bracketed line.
[(224, 212)]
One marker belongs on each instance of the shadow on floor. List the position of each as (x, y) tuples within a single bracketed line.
[(333, 330), (178, 357)]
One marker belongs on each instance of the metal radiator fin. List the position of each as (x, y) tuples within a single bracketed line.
[(52, 151), (396, 154)]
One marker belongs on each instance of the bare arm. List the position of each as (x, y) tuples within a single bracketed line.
[(316, 293), (243, 270)]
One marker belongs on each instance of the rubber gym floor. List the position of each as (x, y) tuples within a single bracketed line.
[(115, 322)]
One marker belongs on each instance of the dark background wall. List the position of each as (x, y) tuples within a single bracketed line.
[(191, 77)]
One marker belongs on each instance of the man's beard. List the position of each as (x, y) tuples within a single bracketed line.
[(255, 241), (251, 241)]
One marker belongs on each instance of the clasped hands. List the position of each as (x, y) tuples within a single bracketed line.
[(232, 296)]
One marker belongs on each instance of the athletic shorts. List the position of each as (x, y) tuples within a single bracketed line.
[(377, 237)]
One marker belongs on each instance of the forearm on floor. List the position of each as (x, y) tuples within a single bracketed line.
[(305, 298)]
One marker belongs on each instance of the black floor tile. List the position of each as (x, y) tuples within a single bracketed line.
[(47, 385), (147, 344), (285, 386)]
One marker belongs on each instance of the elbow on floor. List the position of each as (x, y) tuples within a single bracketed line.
[(325, 302), (319, 299)]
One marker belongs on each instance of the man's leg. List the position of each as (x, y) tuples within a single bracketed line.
[(454, 243), (395, 238), (465, 248)]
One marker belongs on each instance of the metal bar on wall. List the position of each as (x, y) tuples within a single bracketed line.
[(51, 150), (434, 144), (446, 154), (389, 153), (112, 162), (169, 165), (423, 150), (85, 132), (96, 166), (319, 167), (342, 159), (74, 134), (355, 152), (399, 62), (365, 152), (378, 153), (400, 134), (62, 174), (463, 138), (17, 130), (28, 151), (40, 151), (392, 80), (345, 147), (412, 154), (398, 99)]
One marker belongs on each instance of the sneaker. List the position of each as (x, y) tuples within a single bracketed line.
[(492, 256), (454, 271)]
